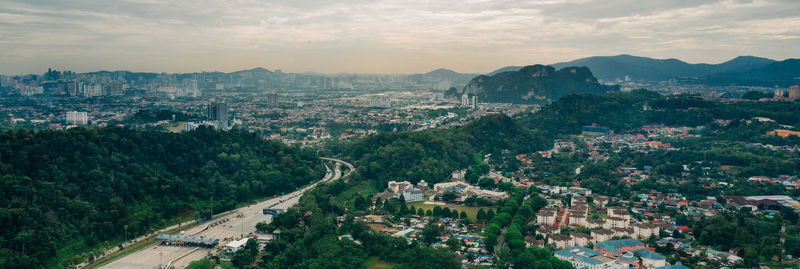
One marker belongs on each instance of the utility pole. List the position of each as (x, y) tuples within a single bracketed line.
[(783, 241), (126, 233), (161, 257), (212, 207)]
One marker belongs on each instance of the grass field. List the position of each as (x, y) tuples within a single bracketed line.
[(361, 188), (377, 263), (176, 127), (471, 210)]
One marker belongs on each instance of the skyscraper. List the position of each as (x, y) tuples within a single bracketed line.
[(218, 112), (272, 100), (794, 91)]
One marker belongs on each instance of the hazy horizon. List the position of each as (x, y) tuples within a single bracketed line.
[(382, 37)]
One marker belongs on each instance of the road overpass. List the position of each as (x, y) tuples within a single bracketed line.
[(242, 222)]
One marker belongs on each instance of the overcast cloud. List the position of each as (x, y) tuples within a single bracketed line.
[(379, 36)]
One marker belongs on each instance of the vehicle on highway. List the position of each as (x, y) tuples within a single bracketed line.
[(272, 211)]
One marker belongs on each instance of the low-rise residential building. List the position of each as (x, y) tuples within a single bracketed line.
[(531, 241), (456, 187), (615, 222), (397, 186), (581, 239), (561, 241), (645, 230), (547, 230), (600, 200), (412, 194), (546, 216), (622, 232), (602, 235), (595, 223), (619, 212)]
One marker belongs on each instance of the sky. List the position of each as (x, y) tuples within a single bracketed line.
[(382, 36)]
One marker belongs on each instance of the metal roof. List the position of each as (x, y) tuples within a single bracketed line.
[(188, 239)]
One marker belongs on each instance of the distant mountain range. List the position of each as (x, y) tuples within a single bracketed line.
[(532, 84), (442, 74), (742, 70)]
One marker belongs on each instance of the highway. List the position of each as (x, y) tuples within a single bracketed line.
[(242, 221)]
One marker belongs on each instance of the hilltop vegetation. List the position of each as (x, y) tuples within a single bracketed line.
[(625, 111), (79, 187), (533, 84), (431, 155)]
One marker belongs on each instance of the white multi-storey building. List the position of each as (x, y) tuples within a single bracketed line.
[(77, 118)]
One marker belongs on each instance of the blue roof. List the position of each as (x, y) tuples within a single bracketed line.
[(650, 255), (628, 257), (612, 245), (581, 253), (677, 265), (467, 237)]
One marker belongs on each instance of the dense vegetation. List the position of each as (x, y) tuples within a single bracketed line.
[(431, 155), (752, 237), (66, 192), (626, 111), (310, 239), (533, 84), (154, 115)]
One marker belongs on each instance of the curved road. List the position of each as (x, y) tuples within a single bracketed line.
[(242, 221)]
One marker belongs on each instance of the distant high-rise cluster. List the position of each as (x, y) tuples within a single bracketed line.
[(380, 101), (469, 101)]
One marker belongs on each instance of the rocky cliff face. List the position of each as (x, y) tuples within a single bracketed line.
[(532, 84)]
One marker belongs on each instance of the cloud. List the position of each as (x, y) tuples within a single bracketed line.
[(380, 35)]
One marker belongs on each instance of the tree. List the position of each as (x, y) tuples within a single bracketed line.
[(489, 214), (264, 228), (430, 234), (446, 212), (437, 211), (201, 264), (420, 212), (525, 211), (453, 243), (463, 215), (481, 215), (247, 255), (486, 183)]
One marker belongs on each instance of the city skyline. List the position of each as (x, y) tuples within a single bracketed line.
[(382, 36)]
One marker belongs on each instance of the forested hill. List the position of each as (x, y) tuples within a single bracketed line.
[(625, 111), (533, 84), (63, 193), (431, 155)]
